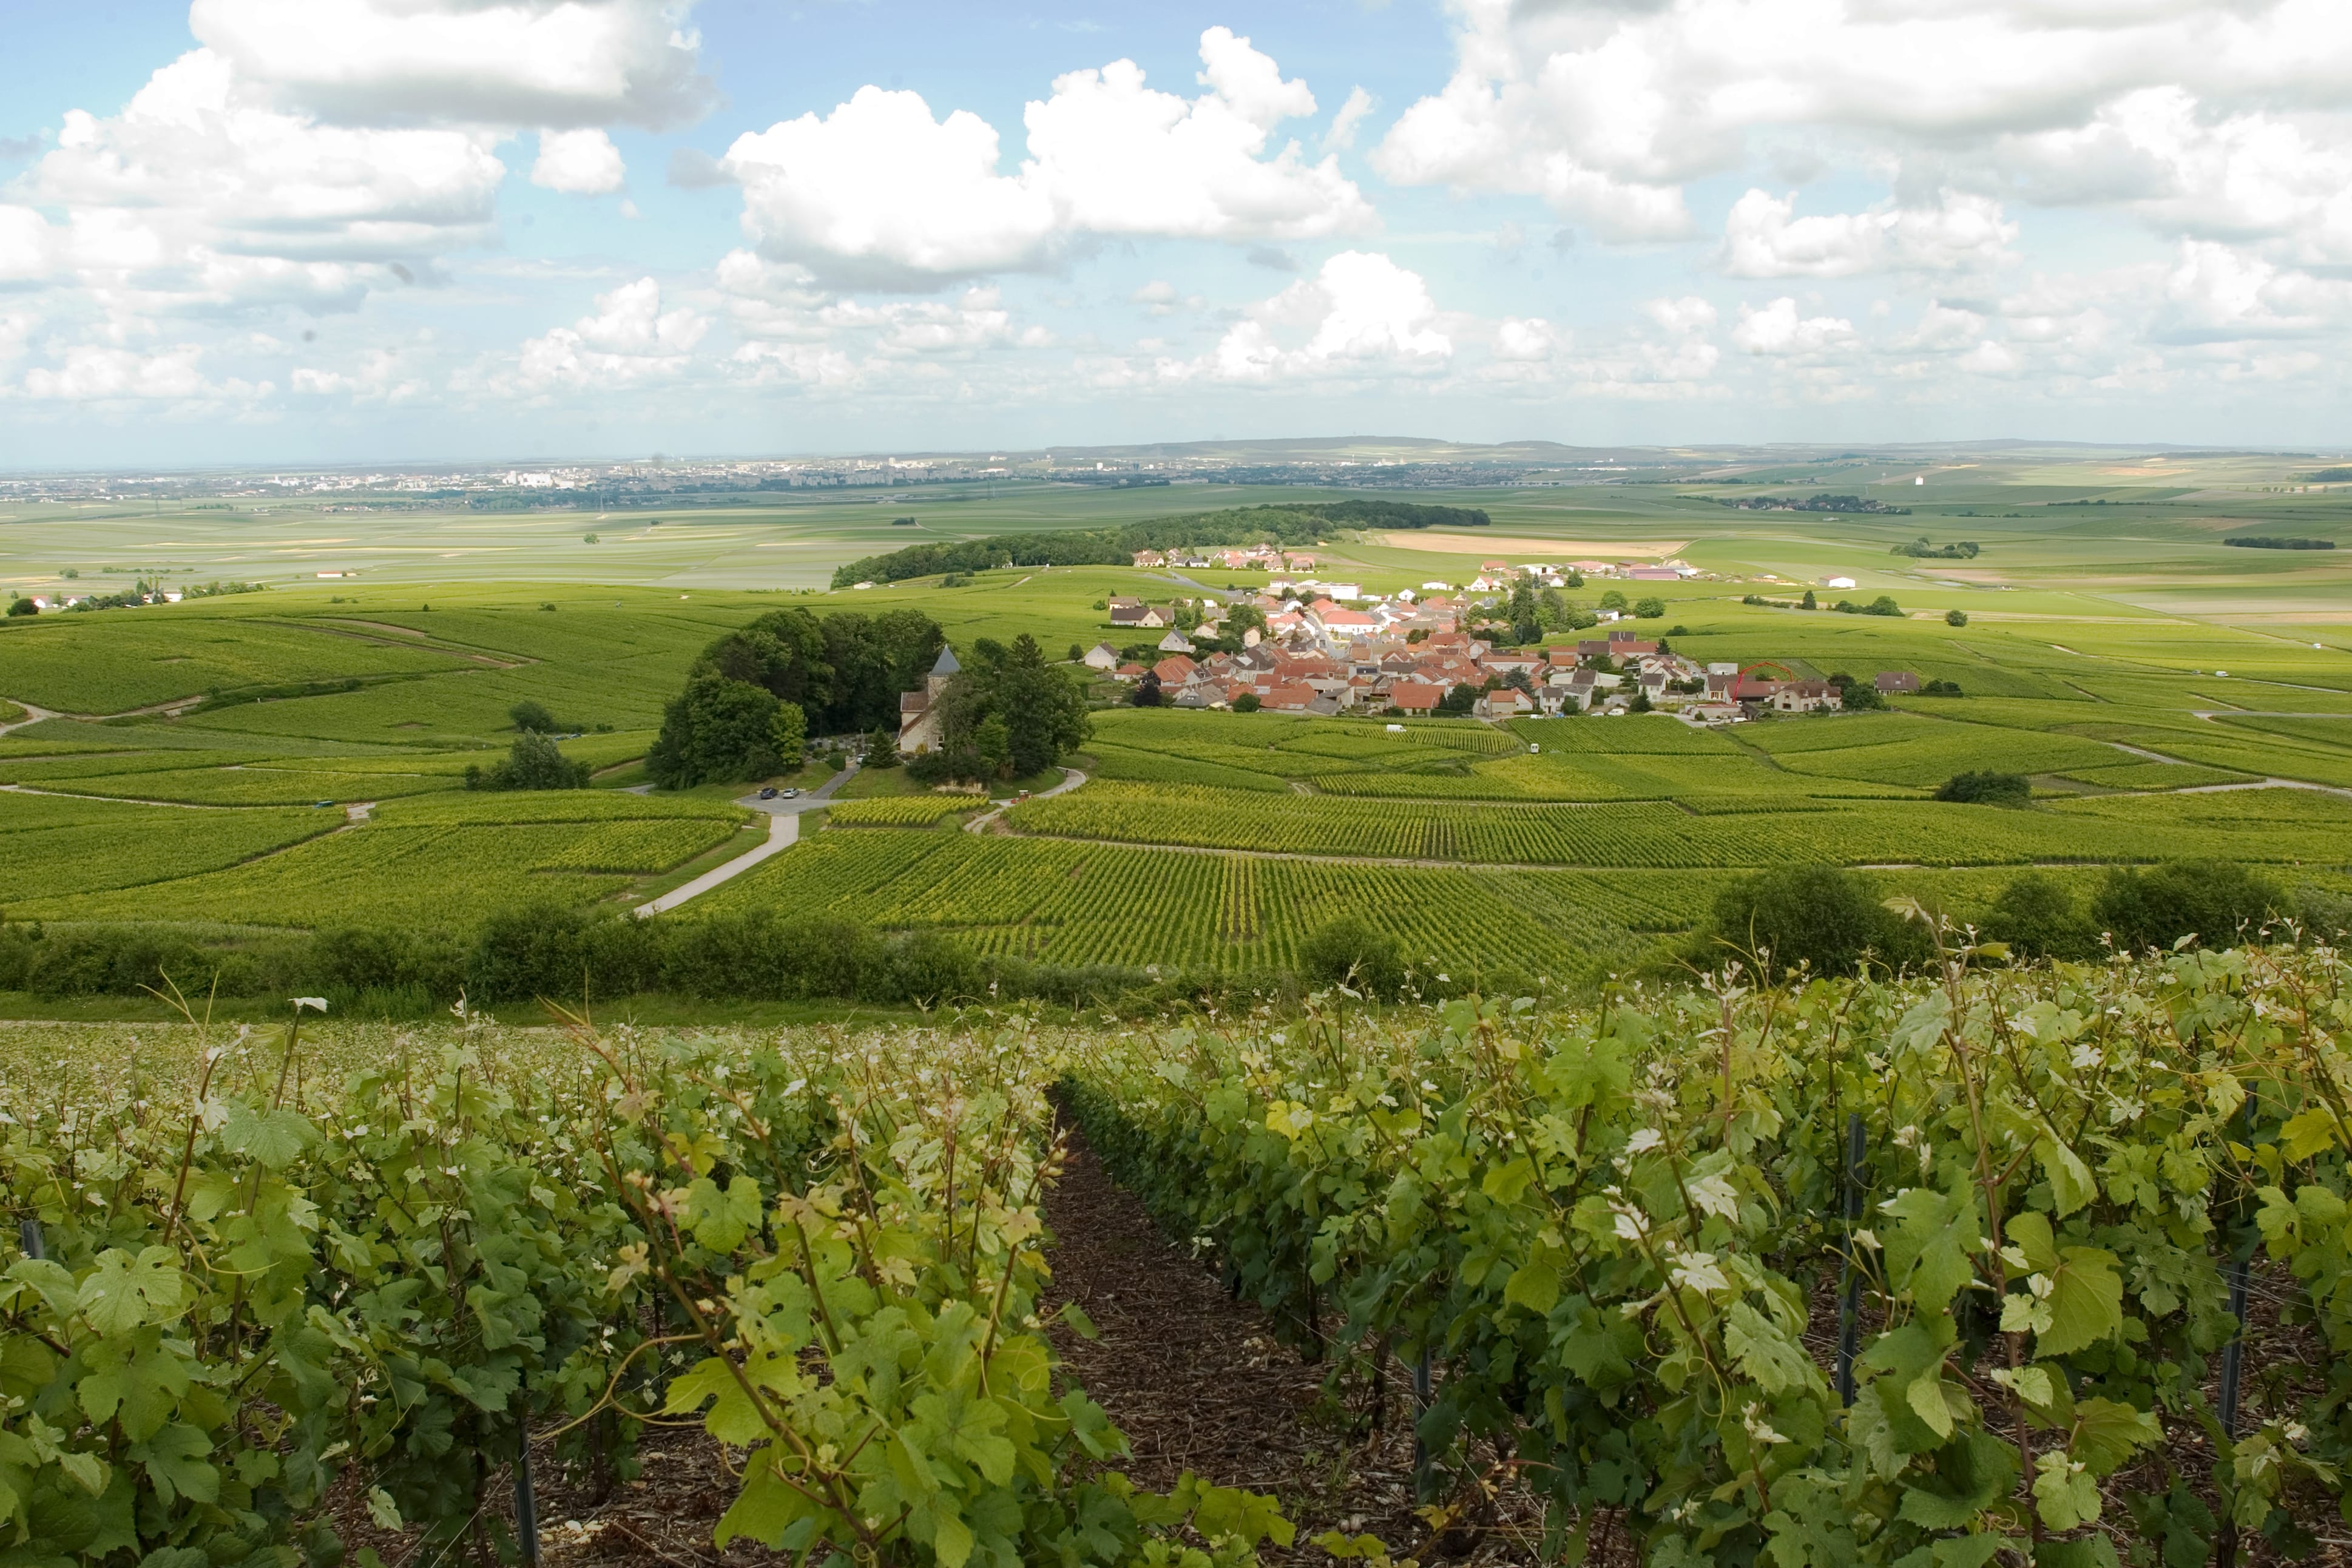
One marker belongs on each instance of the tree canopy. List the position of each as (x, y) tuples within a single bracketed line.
[(1006, 714), (843, 672)]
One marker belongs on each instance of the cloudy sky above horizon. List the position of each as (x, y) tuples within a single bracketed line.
[(345, 230)]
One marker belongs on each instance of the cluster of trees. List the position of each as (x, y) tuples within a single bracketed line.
[(1987, 789), (1830, 920), (1007, 713), (1823, 502), (533, 762), (756, 694), (1532, 612), (1920, 549), (1293, 524), (2278, 542), (1884, 604)]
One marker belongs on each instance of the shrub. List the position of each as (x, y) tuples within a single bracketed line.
[(23, 608), (2039, 918), (934, 970), (1941, 689), (1816, 915), (1987, 789), (1651, 609), (1956, 618), (2209, 899), (1348, 952), (533, 762), (1247, 702), (529, 715)]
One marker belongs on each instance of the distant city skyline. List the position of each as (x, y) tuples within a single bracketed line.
[(345, 231)]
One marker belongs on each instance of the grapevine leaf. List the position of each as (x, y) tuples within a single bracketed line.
[(124, 1293), (2087, 1302), (1928, 1247), (1507, 1182), (174, 1461), (951, 1538), (2307, 1133), (273, 1138), (2072, 1185), (2065, 1495), (1926, 1397), (2030, 1233), (1765, 1353), (1533, 1285), (2106, 1431)]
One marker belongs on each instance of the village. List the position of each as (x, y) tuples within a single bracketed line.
[(1306, 645)]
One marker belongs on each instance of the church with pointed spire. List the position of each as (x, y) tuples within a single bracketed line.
[(918, 718)]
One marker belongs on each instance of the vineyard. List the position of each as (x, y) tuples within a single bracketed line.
[(1862, 1273), (467, 1262), (2032, 1264), (899, 810), (2110, 829), (436, 861)]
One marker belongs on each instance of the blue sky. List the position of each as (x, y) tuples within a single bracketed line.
[(353, 230)]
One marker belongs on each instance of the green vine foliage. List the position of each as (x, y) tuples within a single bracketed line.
[(867, 1325), (831, 1253), (1618, 1233)]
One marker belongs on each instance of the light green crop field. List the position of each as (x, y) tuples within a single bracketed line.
[(2167, 695)]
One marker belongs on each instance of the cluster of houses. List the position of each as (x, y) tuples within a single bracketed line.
[(1320, 666)]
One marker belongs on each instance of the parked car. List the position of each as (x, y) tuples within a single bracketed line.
[(768, 792), (791, 794)]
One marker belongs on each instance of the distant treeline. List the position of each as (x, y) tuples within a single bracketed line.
[(1823, 502), (2278, 542), (567, 955), (1295, 524)]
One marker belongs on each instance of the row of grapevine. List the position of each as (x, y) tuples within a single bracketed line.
[(1645, 834), (1620, 1237), (900, 810), (826, 1252)]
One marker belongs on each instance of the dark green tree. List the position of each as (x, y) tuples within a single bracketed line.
[(719, 728), (2209, 899), (1789, 915), (2038, 918), (533, 762), (529, 715), (1988, 789)]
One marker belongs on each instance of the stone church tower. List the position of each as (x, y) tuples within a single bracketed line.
[(919, 720)]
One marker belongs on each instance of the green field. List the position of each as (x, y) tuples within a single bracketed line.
[(294, 757)]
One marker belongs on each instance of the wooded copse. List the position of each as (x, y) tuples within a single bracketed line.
[(1007, 714), (1295, 524), (757, 692)]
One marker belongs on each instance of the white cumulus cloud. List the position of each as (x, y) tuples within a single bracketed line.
[(1779, 329), (628, 338), (506, 62), (582, 162), (1763, 237), (1361, 315), (880, 193)]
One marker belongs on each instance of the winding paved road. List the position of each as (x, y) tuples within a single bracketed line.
[(783, 832)]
